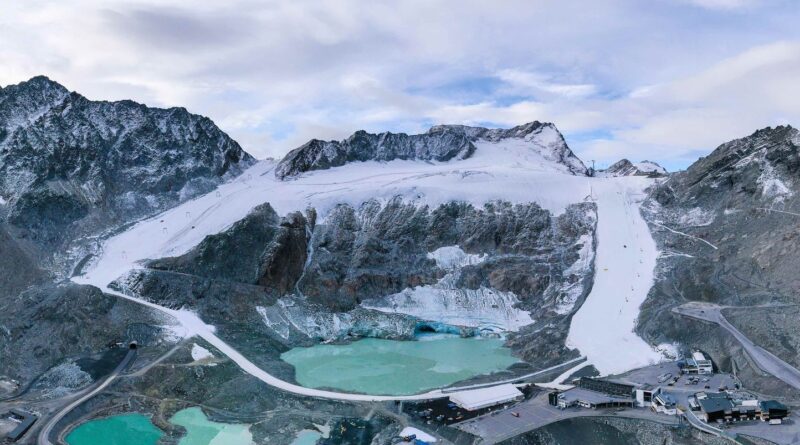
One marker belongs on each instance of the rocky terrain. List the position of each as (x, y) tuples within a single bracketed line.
[(614, 431), (71, 171), (440, 143), (71, 168), (727, 228), (476, 270), (75, 171), (625, 167)]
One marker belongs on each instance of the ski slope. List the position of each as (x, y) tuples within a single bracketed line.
[(497, 171), (602, 329)]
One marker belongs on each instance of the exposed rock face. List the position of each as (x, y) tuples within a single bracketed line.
[(616, 431), (624, 167), (46, 324), (338, 277), (440, 143), (71, 167), (728, 231)]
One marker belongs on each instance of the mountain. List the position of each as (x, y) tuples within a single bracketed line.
[(71, 167), (728, 227), (625, 167), (441, 143), (72, 171)]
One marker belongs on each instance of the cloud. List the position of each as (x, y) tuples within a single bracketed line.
[(722, 4), (662, 80)]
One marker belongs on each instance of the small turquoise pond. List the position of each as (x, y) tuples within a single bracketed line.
[(124, 429), (201, 431), (136, 429), (391, 367), (307, 437)]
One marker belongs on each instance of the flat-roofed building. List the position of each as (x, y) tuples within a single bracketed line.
[(716, 408), (771, 409), (587, 398), (698, 363), (475, 399), (644, 395), (665, 403), (26, 421)]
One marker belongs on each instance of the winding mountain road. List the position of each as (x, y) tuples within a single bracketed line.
[(44, 433), (767, 361)]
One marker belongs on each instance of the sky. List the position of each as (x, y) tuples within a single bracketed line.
[(663, 80)]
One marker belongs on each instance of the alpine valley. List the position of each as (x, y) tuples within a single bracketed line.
[(155, 278)]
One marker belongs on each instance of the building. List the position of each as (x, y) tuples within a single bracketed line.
[(665, 403), (715, 407), (26, 421), (644, 394), (698, 363), (485, 397), (587, 398), (770, 410), (610, 387)]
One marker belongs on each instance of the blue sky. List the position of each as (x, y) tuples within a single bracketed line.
[(664, 80)]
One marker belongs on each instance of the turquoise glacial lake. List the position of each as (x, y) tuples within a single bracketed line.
[(201, 431), (392, 367), (124, 429), (136, 429)]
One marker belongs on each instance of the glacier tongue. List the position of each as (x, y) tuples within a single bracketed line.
[(486, 309)]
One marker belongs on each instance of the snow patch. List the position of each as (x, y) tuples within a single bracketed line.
[(200, 353), (772, 186), (451, 258), (650, 167), (669, 350), (580, 268), (486, 309), (421, 435), (696, 217)]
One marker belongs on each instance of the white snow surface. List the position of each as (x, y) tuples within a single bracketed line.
[(421, 435), (772, 185), (650, 167), (200, 353), (602, 329), (484, 308), (582, 266), (451, 258), (510, 171)]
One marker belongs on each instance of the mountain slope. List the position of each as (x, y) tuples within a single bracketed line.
[(728, 226), (71, 167), (441, 143), (624, 167)]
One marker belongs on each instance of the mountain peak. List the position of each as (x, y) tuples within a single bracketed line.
[(624, 167), (440, 143), (39, 83)]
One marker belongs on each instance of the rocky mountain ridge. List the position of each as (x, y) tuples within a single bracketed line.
[(728, 230), (71, 167), (440, 143), (624, 167)]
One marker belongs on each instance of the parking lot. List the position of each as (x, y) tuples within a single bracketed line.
[(537, 412), (650, 375)]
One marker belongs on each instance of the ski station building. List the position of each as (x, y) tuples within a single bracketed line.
[(476, 399)]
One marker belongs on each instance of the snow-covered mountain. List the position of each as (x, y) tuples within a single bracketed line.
[(624, 167), (71, 167), (728, 230), (441, 143)]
